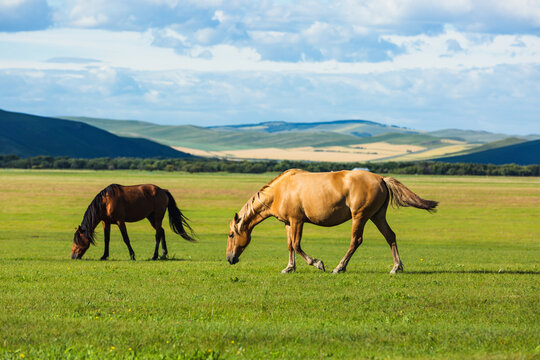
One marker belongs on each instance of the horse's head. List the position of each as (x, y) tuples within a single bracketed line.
[(239, 238), (81, 243)]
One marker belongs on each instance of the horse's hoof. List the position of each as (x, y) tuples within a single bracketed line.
[(338, 271), (103, 258), (153, 258), (288, 270), (319, 265)]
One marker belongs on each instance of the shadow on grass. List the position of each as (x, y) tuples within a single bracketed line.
[(448, 271), (168, 259), (514, 272)]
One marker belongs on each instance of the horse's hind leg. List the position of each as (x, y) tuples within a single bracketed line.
[(160, 236), (163, 243), (123, 230), (356, 239), (107, 238), (296, 234), (379, 219)]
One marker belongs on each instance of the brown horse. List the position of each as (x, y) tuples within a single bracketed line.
[(117, 204), (327, 199)]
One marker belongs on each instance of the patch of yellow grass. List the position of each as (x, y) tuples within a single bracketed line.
[(360, 152), (434, 153), (451, 141)]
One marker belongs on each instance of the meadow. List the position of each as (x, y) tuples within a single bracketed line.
[(470, 288)]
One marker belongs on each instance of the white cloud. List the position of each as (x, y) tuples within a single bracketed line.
[(411, 60), (219, 15), (136, 51)]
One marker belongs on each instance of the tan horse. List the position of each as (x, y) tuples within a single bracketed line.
[(327, 199), (117, 204)]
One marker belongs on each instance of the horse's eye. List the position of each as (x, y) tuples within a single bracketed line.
[(231, 235)]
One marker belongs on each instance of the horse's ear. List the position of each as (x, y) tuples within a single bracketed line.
[(236, 217)]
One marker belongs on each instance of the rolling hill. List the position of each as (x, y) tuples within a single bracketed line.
[(524, 153), (28, 135), (478, 137), (359, 128), (341, 140), (279, 134)]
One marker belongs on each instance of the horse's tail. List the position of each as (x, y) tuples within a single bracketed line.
[(400, 195), (177, 220)]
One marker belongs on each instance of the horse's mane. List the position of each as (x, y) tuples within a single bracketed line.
[(93, 213), (248, 210)]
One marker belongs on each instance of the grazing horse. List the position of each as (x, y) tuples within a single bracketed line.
[(117, 204), (327, 199)]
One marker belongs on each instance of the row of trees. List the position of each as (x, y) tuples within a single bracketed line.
[(218, 165)]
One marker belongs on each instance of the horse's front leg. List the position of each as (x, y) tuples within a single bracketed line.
[(291, 266), (296, 232), (107, 238), (123, 230)]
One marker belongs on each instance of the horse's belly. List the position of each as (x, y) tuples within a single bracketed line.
[(130, 211), (329, 216)]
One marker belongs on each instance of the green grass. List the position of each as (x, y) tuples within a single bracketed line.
[(470, 288)]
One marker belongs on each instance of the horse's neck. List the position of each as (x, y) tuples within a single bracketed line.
[(257, 210), (92, 217)]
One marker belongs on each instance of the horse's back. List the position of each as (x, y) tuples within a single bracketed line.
[(136, 202), (328, 198)]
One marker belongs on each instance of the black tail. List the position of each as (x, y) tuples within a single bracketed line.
[(178, 221)]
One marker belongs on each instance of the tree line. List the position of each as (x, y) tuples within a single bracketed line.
[(219, 165)]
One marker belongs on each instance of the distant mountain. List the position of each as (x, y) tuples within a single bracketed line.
[(334, 136), (492, 145), (524, 153), (360, 128), (280, 134), (217, 139), (28, 135), (477, 137), (470, 136)]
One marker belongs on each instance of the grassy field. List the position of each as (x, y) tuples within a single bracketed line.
[(471, 286)]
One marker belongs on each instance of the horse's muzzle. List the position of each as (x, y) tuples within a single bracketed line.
[(76, 256), (232, 259)]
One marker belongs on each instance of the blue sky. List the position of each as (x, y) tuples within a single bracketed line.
[(422, 64)]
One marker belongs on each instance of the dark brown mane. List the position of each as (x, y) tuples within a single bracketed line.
[(93, 213)]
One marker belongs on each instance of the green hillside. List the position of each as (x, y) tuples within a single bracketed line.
[(219, 139), (360, 128), (228, 138), (524, 153), (404, 139), (492, 145), (470, 136), (28, 135)]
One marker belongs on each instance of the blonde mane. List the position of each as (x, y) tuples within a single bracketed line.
[(248, 211)]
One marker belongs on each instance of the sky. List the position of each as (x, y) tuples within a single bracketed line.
[(422, 64)]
